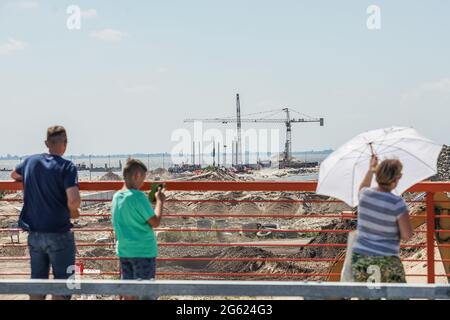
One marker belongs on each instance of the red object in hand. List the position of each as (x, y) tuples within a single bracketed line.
[(80, 267)]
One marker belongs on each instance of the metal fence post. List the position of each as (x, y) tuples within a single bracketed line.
[(430, 237)]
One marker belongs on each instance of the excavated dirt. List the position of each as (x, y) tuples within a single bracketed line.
[(247, 206), (103, 265), (13, 251), (300, 208), (254, 266), (323, 238), (443, 165), (216, 175)]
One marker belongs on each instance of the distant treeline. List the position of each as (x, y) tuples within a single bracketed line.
[(145, 155), (86, 156), (328, 151)]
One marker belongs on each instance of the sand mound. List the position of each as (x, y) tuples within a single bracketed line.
[(253, 266), (102, 265), (13, 251), (443, 165), (110, 176), (322, 238), (158, 173), (215, 174)]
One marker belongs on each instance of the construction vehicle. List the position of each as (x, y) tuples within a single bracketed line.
[(288, 121)]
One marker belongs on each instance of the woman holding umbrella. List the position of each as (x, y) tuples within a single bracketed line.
[(383, 220)]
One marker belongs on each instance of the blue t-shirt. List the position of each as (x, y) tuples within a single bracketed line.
[(45, 179)]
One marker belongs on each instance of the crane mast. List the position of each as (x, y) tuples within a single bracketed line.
[(288, 144), (239, 130)]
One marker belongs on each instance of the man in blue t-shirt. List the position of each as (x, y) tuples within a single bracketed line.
[(51, 199)]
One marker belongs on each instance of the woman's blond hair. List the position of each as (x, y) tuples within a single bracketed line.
[(388, 171)]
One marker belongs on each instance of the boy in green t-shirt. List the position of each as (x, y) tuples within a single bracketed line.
[(133, 220)]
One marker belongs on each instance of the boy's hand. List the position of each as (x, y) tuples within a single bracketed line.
[(159, 195), (373, 162)]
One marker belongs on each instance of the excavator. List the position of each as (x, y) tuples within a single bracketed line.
[(418, 218)]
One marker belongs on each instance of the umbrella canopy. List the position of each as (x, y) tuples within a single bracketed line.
[(343, 171)]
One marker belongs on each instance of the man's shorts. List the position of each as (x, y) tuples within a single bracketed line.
[(52, 249), (137, 268)]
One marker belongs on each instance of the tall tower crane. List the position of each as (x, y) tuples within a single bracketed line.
[(288, 121)]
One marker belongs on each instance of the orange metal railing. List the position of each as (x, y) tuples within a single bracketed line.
[(429, 188)]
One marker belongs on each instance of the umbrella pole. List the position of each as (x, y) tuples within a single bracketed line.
[(371, 149)]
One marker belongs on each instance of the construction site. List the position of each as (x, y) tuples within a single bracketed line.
[(284, 159), (245, 234)]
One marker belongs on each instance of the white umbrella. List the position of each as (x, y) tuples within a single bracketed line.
[(342, 172)]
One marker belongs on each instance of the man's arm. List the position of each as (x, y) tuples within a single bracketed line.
[(15, 176), (73, 201)]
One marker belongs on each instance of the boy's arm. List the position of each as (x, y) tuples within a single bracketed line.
[(155, 221)]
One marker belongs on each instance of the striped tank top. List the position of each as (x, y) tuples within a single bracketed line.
[(378, 230)]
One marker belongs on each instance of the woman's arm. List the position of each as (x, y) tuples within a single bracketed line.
[(369, 175), (404, 224)]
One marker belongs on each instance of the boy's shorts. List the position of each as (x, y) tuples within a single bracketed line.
[(137, 268)]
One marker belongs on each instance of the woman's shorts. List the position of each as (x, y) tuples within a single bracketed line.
[(377, 269)]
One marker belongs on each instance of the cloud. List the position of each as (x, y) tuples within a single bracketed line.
[(27, 5), (89, 14), (12, 45), (140, 88), (109, 35), (440, 88), (162, 70)]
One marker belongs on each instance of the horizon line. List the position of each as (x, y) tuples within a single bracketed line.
[(154, 154)]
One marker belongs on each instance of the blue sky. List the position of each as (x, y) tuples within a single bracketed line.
[(127, 79)]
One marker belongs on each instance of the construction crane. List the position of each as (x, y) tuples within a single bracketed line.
[(288, 121)]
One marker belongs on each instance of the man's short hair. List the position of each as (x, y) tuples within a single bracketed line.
[(56, 134), (132, 167)]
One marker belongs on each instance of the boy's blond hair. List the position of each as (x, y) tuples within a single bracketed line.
[(131, 168), (388, 171)]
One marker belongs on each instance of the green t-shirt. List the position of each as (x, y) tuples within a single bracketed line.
[(130, 213)]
